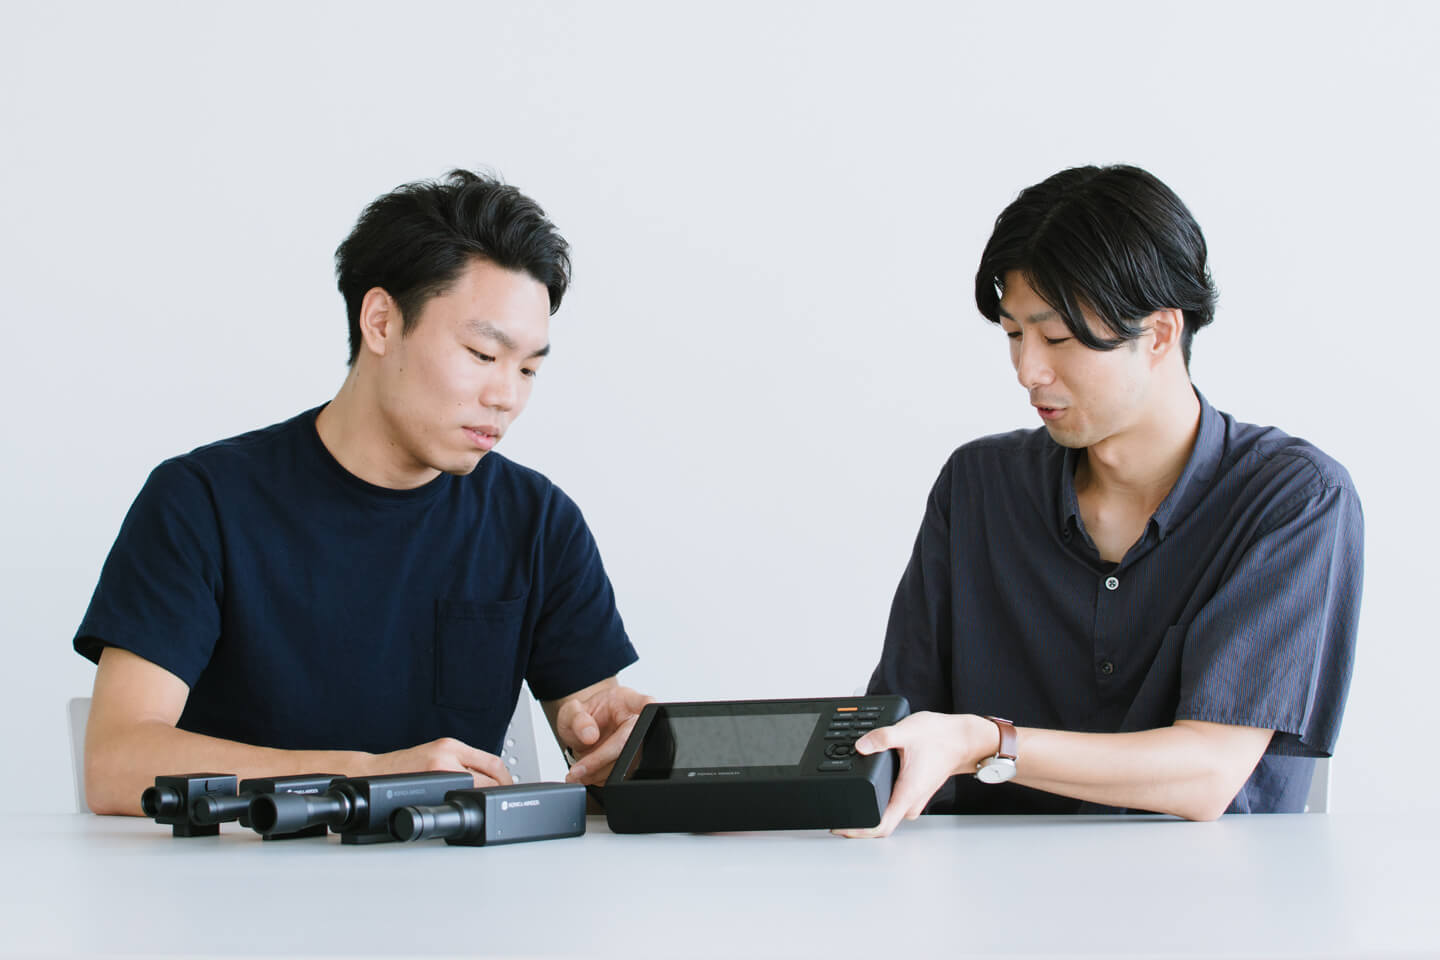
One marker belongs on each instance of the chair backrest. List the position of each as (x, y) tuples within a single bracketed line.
[(518, 750), (77, 712), (1318, 800)]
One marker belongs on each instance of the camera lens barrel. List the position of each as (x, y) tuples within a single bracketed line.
[(292, 812), (459, 819), (482, 816), (219, 809), (160, 801)]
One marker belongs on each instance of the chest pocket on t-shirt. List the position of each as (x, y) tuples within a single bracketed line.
[(476, 646)]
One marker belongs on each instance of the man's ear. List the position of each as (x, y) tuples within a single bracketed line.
[(1167, 326), (380, 322)]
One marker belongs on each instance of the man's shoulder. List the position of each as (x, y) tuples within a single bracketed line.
[(233, 459), (500, 481), (252, 445), (496, 468), (1017, 448), (1002, 467), (1269, 454)]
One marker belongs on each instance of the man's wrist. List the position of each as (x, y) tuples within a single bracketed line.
[(998, 766), (982, 740)]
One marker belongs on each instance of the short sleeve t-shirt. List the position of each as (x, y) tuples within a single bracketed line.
[(1239, 604), (308, 609)]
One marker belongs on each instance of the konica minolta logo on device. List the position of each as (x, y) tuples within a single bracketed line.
[(507, 804)]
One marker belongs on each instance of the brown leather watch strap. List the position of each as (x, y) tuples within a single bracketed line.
[(1007, 737)]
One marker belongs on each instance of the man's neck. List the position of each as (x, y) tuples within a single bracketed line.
[(353, 430), (1142, 463)]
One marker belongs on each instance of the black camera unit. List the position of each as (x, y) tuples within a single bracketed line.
[(212, 809), (486, 816), (357, 808), (172, 799)]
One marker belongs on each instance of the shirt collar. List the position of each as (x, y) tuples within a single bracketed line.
[(1199, 470), (1191, 486)]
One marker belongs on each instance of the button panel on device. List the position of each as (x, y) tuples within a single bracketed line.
[(847, 724)]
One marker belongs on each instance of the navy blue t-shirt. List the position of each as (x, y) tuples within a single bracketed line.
[(308, 609), (1239, 604)]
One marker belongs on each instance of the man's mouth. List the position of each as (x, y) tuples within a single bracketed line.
[(483, 437), (1048, 413)]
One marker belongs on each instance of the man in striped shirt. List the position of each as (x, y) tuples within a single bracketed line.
[(1144, 604)]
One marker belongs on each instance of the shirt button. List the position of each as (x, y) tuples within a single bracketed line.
[(1111, 583), (1107, 668)]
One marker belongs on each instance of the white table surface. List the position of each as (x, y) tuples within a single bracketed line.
[(1259, 886)]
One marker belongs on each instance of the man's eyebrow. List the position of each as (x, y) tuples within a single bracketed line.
[(1033, 318), (488, 330)]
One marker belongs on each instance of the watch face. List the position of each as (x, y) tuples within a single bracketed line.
[(995, 770)]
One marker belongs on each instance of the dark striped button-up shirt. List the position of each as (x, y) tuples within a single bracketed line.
[(1237, 605)]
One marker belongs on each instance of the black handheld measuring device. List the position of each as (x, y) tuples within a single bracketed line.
[(752, 765)]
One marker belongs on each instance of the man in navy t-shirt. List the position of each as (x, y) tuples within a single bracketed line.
[(363, 588)]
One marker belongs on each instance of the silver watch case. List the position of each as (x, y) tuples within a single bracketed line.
[(995, 770)]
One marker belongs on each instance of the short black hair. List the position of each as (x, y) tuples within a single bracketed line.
[(415, 241), (1113, 239)]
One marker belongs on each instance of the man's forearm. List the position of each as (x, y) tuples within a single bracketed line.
[(122, 760), (1192, 769)]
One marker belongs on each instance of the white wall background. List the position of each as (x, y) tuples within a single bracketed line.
[(770, 346)]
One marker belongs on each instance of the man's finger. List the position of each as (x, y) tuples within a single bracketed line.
[(485, 764), (908, 795), (570, 710), (597, 761), (634, 700), (582, 725), (888, 821), (881, 738)]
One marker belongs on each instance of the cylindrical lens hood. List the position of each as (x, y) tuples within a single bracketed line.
[(427, 822), (218, 809), (160, 801), (272, 813)]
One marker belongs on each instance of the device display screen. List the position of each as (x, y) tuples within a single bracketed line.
[(727, 740)]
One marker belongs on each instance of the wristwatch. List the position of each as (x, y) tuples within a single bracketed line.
[(1001, 767)]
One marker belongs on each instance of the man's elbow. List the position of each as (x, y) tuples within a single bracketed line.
[(1223, 758), (1202, 808), (1208, 799), (106, 797), (109, 788)]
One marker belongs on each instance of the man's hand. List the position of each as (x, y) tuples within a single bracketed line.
[(933, 748), (442, 754), (593, 725)]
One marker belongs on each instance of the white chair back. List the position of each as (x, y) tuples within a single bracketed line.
[(77, 712), (1318, 800)]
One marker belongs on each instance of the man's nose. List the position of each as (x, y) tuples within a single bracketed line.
[(499, 392), (1032, 368)]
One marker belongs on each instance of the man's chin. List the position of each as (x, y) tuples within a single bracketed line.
[(464, 466), (1066, 438)]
